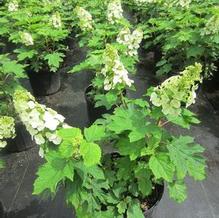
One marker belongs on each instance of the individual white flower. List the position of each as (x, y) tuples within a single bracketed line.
[(66, 126), (52, 137), (39, 139), (27, 38), (31, 130), (41, 153), (114, 11), (85, 19), (60, 118), (40, 126), (3, 144), (56, 20), (13, 6), (31, 104), (50, 121)]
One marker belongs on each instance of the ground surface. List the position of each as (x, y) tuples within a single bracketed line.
[(17, 178)]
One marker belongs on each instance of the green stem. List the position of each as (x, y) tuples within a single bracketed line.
[(123, 101)]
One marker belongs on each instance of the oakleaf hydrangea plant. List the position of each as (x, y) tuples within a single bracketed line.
[(37, 30), (143, 155), (112, 52)]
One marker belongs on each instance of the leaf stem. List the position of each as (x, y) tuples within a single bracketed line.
[(123, 100)]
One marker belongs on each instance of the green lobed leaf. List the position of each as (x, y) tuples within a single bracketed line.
[(107, 100), (122, 206), (94, 133), (134, 210), (71, 139), (12, 67), (133, 150), (186, 157), (143, 176), (52, 173), (162, 167), (54, 59), (177, 191), (91, 153)]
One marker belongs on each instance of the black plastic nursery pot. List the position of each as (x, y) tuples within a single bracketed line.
[(44, 83), (2, 213), (22, 142), (94, 113), (212, 84), (150, 204), (154, 201)]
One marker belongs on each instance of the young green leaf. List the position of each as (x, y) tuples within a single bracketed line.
[(71, 139), (91, 153), (144, 181), (54, 60), (94, 133), (134, 210)]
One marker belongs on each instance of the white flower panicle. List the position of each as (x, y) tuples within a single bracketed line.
[(131, 40), (26, 38), (41, 122), (140, 2), (7, 130), (13, 6), (114, 71), (212, 26), (114, 11), (56, 20), (178, 90), (85, 19), (183, 3)]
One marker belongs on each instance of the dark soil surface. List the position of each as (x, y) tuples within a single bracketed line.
[(16, 180)]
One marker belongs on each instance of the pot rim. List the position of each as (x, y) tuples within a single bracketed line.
[(162, 186)]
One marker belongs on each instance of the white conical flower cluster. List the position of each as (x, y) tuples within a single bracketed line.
[(85, 19), (13, 6), (114, 70), (41, 122), (183, 3), (7, 130), (26, 38), (114, 11), (131, 40), (211, 27), (56, 20), (140, 2), (178, 90)]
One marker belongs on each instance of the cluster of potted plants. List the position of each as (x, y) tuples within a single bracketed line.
[(117, 167), (180, 32), (38, 31)]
